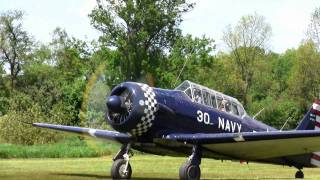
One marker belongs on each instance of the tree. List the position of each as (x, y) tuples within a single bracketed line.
[(247, 41), (281, 66), (72, 61), (69, 54), (314, 28), (15, 43), (190, 58), (304, 80), (141, 31)]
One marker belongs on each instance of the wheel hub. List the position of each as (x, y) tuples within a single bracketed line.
[(193, 172), (123, 171)]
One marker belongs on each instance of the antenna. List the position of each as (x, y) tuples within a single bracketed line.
[(258, 113), (184, 64), (285, 123)]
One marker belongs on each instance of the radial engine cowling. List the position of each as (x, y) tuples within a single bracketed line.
[(131, 108)]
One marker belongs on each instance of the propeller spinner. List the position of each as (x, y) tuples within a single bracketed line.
[(116, 104), (131, 108)]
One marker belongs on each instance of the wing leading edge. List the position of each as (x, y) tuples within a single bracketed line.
[(255, 145), (101, 134)]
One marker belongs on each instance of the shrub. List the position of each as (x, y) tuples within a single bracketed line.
[(14, 131), (14, 127), (69, 147)]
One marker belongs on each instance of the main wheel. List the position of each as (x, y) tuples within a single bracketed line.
[(299, 175), (189, 172), (119, 171)]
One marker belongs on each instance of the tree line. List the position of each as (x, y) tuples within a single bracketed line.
[(66, 80)]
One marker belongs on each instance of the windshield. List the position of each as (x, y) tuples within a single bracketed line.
[(211, 98)]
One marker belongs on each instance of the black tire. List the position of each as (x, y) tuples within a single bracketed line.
[(118, 168), (189, 172), (299, 175)]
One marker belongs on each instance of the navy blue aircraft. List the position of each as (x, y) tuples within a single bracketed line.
[(197, 121)]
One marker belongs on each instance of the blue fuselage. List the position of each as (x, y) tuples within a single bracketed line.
[(155, 113), (192, 117)]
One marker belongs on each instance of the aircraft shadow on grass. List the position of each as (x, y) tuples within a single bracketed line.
[(105, 177), (96, 176)]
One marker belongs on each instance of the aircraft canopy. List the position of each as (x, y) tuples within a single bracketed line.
[(214, 99)]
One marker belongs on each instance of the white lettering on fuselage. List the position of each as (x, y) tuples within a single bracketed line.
[(229, 126), (203, 117)]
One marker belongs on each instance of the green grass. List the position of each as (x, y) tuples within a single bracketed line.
[(67, 148), (144, 167)]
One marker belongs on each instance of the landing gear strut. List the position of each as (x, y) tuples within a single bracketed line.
[(299, 174), (121, 168), (191, 170)]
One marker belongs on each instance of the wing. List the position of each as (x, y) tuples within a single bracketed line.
[(255, 145), (101, 134)]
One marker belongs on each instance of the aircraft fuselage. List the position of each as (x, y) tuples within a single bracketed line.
[(192, 117)]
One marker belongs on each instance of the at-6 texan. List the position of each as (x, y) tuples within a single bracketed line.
[(200, 122)]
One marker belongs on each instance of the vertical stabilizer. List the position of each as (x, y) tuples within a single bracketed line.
[(311, 121), (315, 111)]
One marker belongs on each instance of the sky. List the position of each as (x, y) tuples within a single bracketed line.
[(289, 19)]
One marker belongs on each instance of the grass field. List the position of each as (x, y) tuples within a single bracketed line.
[(144, 167)]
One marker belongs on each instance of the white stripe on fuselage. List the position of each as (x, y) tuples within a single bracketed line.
[(316, 106), (228, 125), (315, 162)]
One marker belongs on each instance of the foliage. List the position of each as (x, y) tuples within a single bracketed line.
[(247, 41), (304, 80), (15, 43), (23, 110), (188, 56), (70, 147), (314, 28), (141, 31)]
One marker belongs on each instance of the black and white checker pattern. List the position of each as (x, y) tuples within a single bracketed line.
[(150, 107)]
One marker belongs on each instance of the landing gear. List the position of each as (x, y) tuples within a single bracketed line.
[(191, 170), (121, 168), (299, 174)]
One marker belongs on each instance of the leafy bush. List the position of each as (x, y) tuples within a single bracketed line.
[(23, 110), (14, 131), (69, 147)]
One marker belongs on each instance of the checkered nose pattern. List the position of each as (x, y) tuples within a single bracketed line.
[(149, 104)]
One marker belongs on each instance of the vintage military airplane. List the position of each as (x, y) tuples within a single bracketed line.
[(196, 120)]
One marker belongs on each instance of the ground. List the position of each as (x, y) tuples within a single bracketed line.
[(144, 167)]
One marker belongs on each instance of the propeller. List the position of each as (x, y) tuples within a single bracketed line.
[(95, 106), (97, 102), (119, 106)]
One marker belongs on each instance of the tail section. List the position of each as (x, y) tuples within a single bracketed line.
[(311, 121)]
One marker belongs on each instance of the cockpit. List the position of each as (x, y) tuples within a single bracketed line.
[(214, 99)]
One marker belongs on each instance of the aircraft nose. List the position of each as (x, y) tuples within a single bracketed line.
[(114, 104)]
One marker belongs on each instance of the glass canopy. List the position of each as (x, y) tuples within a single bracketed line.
[(214, 99)]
